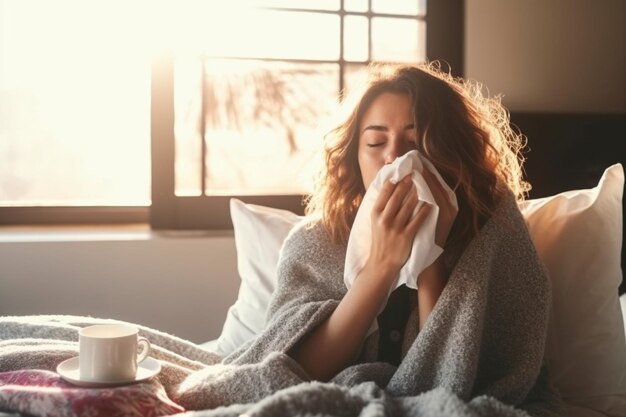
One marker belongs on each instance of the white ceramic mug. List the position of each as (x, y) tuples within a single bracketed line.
[(108, 352)]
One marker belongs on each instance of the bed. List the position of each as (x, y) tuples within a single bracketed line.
[(575, 218)]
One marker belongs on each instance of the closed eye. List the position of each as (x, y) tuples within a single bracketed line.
[(375, 145)]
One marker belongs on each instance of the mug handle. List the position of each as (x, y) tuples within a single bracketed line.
[(145, 350)]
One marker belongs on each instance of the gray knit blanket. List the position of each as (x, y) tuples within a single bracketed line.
[(479, 354)]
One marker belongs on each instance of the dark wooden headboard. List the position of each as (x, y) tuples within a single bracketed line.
[(571, 151)]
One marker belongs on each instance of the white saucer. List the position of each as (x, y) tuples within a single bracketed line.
[(68, 370)]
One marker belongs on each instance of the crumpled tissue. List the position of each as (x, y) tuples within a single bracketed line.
[(424, 250)]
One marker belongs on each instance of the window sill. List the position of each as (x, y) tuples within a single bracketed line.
[(97, 232)]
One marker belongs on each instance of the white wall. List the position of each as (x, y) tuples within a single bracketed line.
[(549, 55), (543, 55), (179, 284)]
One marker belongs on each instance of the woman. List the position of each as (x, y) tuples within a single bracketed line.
[(477, 323), (467, 139)]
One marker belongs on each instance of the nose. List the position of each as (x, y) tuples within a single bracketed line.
[(396, 149), (390, 157)]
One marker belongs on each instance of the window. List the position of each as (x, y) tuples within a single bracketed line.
[(74, 112), (237, 106)]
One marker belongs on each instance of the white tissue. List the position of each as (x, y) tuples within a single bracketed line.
[(424, 250)]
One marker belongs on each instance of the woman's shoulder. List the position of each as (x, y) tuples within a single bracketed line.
[(310, 260), (508, 232), (507, 213), (309, 239), (308, 233), (506, 228)]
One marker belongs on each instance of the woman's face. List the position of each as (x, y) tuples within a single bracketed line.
[(387, 131)]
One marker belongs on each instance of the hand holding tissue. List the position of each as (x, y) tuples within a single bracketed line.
[(424, 250)]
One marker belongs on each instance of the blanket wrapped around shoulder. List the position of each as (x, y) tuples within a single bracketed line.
[(479, 354)]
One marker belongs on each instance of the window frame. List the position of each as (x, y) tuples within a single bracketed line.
[(444, 42)]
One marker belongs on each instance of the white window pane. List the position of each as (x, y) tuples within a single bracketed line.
[(408, 7), (261, 34), (74, 106), (355, 76), (300, 4), (263, 124), (421, 7), (355, 5), (398, 40), (355, 38)]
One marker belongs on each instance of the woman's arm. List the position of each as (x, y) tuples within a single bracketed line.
[(433, 279), (336, 342), (430, 285)]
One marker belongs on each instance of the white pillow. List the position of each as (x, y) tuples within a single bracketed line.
[(259, 234), (578, 235)]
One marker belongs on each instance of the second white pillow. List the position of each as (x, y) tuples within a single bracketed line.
[(259, 234)]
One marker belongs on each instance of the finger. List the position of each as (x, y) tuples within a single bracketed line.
[(436, 188), (397, 197), (419, 218), (385, 192), (408, 207)]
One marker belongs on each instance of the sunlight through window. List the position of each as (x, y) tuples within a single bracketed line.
[(257, 100), (74, 104), (255, 84)]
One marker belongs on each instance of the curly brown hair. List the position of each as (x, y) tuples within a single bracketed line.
[(466, 135)]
